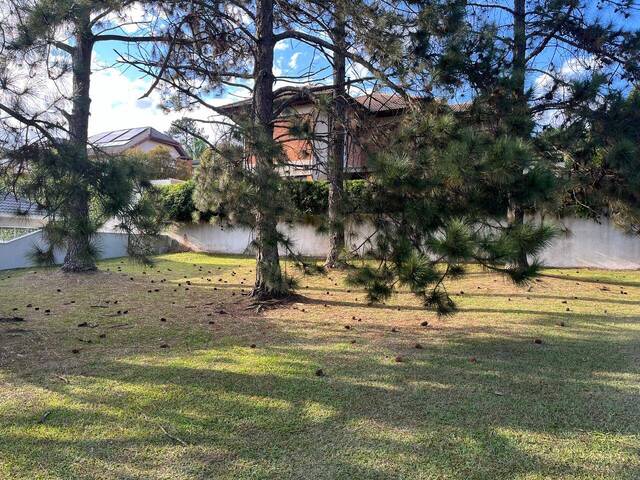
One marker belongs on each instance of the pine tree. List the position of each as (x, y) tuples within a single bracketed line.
[(450, 174), (57, 144), (598, 142), (349, 26), (515, 59), (438, 211), (232, 46), (337, 138)]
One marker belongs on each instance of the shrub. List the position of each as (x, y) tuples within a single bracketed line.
[(360, 197), (308, 199), (312, 198), (177, 201)]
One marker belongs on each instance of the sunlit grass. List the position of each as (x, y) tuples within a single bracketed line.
[(188, 383)]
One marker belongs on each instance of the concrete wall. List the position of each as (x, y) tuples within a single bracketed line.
[(587, 244), (217, 239), (15, 253), (24, 221)]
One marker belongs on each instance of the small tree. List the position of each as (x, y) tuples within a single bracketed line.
[(438, 185), (191, 136), (160, 164)]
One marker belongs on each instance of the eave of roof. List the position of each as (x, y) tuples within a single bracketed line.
[(376, 103)]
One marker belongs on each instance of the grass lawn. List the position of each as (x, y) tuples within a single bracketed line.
[(165, 384)]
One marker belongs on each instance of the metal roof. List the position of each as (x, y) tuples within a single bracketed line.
[(121, 140), (385, 102), (17, 207), (382, 102)]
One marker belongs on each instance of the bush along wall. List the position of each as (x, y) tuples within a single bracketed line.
[(308, 199), (177, 202), (312, 198)]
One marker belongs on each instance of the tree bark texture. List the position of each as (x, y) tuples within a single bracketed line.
[(337, 139), (269, 281), (79, 256)]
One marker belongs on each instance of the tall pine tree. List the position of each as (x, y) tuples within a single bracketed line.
[(230, 46), (56, 39)]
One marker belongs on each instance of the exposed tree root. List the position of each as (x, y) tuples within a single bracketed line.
[(259, 304)]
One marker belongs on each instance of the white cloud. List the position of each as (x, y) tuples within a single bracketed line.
[(293, 62), (130, 20), (571, 69), (239, 15), (356, 72), (116, 104)]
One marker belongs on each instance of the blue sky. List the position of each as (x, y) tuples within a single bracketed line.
[(116, 91)]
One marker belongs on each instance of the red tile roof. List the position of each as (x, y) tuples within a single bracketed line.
[(382, 102), (376, 102)]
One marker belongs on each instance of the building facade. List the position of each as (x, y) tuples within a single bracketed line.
[(302, 131)]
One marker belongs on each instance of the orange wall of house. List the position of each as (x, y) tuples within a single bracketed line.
[(372, 134), (296, 150)]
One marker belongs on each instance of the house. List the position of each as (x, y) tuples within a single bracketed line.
[(144, 139), (370, 118), (19, 215)]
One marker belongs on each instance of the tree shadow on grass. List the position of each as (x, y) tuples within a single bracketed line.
[(266, 414), (571, 298), (518, 409), (524, 311), (594, 278)]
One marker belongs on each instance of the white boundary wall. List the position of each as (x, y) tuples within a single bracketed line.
[(587, 244), (306, 240), (15, 253), (591, 244)]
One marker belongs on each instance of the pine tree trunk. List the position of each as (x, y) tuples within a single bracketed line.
[(519, 53), (516, 217), (520, 114), (337, 134), (79, 256), (269, 280)]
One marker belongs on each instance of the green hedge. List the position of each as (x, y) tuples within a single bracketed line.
[(177, 201), (312, 198), (309, 198)]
